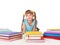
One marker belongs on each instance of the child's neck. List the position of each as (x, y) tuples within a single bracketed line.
[(30, 22)]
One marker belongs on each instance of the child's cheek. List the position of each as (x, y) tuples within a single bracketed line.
[(29, 17)]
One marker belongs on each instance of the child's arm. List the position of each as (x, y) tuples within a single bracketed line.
[(35, 25), (23, 28), (34, 29)]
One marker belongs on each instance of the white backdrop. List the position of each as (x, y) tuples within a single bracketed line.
[(11, 12)]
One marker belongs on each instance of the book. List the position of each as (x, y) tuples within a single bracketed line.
[(52, 37), (53, 29), (34, 35)]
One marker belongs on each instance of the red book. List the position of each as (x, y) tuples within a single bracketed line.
[(52, 37)]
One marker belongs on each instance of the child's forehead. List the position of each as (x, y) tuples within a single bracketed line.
[(29, 14)]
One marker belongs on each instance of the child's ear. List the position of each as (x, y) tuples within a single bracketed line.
[(33, 17), (24, 16)]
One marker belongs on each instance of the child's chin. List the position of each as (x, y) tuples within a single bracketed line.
[(29, 19)]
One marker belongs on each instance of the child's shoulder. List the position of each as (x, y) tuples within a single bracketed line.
[(25, 20)]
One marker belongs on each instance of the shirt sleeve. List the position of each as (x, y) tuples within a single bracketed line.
[(25, 21)]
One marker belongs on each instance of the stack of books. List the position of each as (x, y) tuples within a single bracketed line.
[(10, 36), (7, 35), (52, 33), (34, 36)]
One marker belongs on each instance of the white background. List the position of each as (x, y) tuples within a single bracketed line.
[(48, 16), (11, 12)]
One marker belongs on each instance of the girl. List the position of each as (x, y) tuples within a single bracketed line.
[(29, 24)]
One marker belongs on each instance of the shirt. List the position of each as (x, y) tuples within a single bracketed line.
[(29, 27)]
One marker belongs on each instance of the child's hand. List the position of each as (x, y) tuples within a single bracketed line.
[(23, 33), (34, 30)]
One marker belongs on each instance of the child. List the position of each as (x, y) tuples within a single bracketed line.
[(29, 24)]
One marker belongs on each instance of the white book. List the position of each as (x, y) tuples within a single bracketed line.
[(33, 37), (8, 35)]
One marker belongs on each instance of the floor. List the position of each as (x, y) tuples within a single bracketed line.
[(23, 42)]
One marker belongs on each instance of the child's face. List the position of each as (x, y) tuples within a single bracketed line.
[(29, 17)]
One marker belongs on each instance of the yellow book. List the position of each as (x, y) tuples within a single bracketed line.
[(34, 33), (56, 29)]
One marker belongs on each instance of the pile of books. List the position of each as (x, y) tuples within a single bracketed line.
[(9, 35), (34, 36), (52, 33)]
